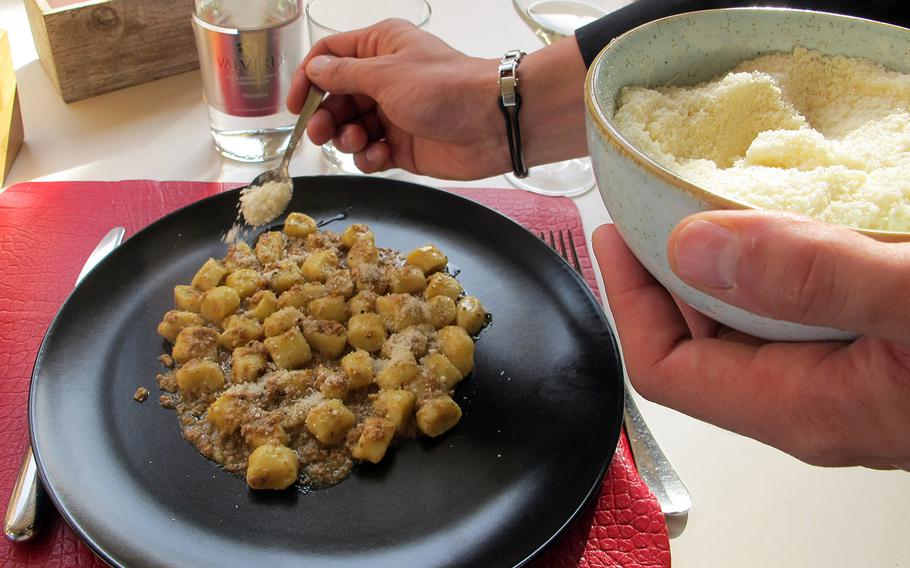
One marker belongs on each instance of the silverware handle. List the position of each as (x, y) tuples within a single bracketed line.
[(313, 98), (21, 513), (653, 466), (109, 242)]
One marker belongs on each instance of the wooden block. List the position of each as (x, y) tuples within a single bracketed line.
[(11, 132), (95, 46)]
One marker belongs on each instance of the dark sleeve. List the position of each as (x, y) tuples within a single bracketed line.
[(594, 36)]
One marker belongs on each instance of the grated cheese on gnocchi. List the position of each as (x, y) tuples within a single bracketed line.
[(295, 359)]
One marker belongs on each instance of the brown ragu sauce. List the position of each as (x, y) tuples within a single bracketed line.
[(293, 360)]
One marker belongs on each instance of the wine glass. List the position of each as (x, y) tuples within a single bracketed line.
[(552, 20)]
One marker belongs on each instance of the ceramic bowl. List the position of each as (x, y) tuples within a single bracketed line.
[(645, 200)]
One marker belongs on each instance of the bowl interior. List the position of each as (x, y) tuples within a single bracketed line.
[(694, 47)]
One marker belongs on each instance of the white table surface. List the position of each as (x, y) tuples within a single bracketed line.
[(753, 505)]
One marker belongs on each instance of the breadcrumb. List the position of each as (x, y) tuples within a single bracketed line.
[(141, 395)]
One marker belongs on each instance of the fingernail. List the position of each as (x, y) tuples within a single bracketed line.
[(375, 155), (318, 64), (706, 255)]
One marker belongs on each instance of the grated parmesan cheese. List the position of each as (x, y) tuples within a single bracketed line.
[(264, 203), (823, 136)]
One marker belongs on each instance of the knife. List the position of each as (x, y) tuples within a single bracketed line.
[(22, 511)]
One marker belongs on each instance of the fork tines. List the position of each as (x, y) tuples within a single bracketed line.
[(563, 251)]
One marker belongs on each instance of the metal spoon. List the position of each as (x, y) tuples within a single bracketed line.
[(280, 174)]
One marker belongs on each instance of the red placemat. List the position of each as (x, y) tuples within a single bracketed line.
[(47, 230)]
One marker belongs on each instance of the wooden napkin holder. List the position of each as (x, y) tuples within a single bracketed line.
[(11, 132), (90, 47)]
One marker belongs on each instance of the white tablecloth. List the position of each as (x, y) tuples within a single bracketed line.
[(754, 506)]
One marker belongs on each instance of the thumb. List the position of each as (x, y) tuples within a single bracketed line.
[(792, 268), (342, 75)]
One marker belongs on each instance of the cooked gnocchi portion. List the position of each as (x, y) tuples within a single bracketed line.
[(294, 359)]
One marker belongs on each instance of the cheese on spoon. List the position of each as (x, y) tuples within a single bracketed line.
[(260, 204)]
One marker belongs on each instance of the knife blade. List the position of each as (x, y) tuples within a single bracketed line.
[(22, 511)]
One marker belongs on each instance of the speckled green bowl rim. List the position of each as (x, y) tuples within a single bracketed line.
[(603, 120)]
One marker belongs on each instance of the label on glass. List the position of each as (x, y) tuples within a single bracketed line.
[(247, 72)]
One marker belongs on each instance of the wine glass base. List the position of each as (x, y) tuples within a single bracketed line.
[(566, 179), (341, 163)]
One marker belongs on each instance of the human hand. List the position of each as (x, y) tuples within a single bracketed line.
[(826, 403), (402, 98)]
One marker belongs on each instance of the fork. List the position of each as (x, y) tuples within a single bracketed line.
[(652, 464)]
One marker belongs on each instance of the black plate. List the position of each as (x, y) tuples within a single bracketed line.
[(542, 409)]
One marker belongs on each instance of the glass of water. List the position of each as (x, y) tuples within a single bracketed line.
[(327, 17), (248, 50), (552, 20)]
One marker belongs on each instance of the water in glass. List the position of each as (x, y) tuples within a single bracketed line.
[(248, 50)]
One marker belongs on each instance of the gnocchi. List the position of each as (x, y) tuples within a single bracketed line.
[(310, 351), (272, 467)]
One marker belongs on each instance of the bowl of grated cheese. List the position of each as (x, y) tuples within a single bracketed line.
[(763, 108)]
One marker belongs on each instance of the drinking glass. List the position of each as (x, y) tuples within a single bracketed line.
[(552, 20), (327, 17), (248, 50)]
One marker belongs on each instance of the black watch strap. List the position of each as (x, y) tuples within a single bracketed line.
[(510, 105)]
